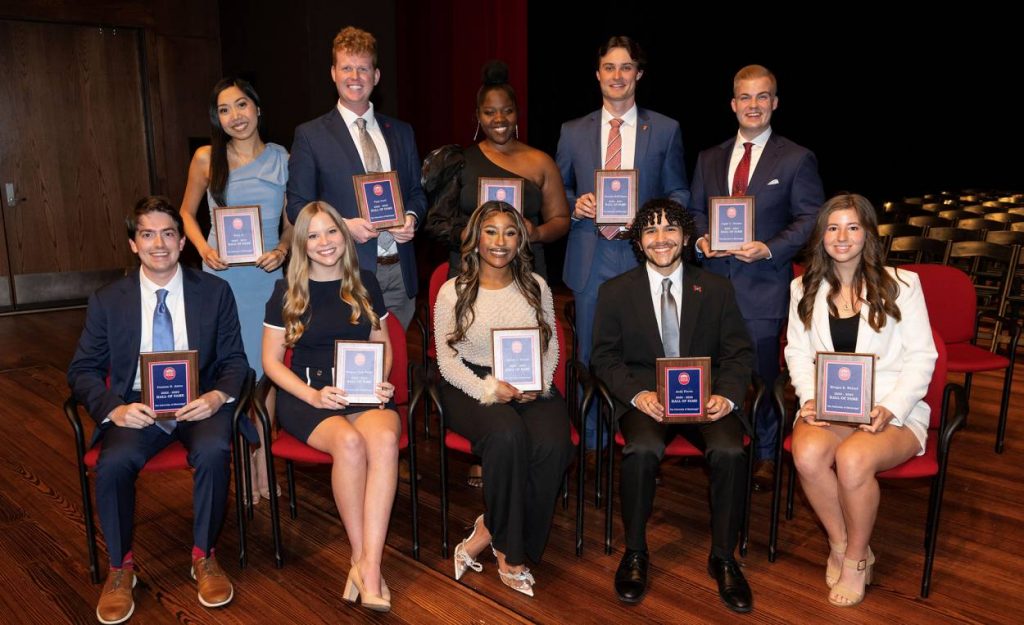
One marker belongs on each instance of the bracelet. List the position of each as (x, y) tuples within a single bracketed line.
[(283, 253)]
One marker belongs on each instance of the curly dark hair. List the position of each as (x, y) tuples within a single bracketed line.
[(653, 211)]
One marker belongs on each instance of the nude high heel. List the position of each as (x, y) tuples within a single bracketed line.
[(354, 591)]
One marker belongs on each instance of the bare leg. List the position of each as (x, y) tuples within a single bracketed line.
[(858, 459), (339, 438), (814, 452), (380, 430)]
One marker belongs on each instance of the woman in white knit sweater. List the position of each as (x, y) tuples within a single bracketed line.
[(523, 437)]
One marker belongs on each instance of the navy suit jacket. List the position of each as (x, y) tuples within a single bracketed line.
[(110, 342), (323, 160), (788, 194), (658, 158), (627, 339)]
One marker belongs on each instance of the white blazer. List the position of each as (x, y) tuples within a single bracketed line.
[(906, 352)]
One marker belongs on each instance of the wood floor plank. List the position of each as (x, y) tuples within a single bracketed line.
[(44, 570)]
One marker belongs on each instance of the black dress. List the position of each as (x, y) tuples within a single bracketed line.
[(456, 199), (327, 319)]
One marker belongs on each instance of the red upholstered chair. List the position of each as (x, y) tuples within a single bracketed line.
[(952, 305), (174, 457), (678, 447), (426, 323), (930, 465), (292, 450), (455, 442)]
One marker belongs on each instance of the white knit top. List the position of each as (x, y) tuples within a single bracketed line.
[(499, 308)]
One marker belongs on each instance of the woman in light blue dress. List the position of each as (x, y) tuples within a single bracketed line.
[(239, 169)]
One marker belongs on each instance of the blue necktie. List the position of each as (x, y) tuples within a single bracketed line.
[(163, 340)]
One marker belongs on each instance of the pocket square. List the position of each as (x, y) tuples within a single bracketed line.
[(773, 181)]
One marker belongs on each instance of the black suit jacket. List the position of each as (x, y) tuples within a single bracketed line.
[(110, 341), (627, 339)]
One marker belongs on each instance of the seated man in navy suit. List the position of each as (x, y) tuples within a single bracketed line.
[(160, 307), (783, 179), (350, 139), (665, 308)]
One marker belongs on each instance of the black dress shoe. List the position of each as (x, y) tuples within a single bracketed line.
[(764, 476), (732, 586), (631, 577)]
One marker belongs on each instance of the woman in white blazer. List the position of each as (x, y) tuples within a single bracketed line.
[(849, 301)]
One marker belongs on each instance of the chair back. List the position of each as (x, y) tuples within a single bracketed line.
[(916, 249), (563, 353), (437, 279), (399, 360), (936, 388), (949, 233), (950, 299), (981, 223)]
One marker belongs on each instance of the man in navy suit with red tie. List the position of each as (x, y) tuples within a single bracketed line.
[(618, 136), (160, 307), (353, 139), (783, 179)]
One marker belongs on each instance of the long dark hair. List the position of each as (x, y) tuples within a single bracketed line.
[(879, 288), (219, 139), (467, 284)]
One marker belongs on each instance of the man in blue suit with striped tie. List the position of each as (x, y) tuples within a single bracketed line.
[(620, 135)]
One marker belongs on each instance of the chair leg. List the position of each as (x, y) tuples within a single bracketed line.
[(773, 521), (275, 516), (608, 493), (745, 536), (90, 525), (565, 491), (580, 481), (413, 486), (967, 387), (1004, 406), (238, 451), (598, 473), (444, 493), (293, 504), (790, 488), (932, 530), (247, 477)]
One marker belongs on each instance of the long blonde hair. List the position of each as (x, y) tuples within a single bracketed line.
[(296, 299)]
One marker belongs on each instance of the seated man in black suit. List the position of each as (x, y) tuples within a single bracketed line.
[(638, 320), (160, 307)]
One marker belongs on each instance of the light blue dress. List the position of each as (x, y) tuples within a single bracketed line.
[(260, 182)]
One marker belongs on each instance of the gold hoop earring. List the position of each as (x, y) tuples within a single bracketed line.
[(476, 132), (517, 132)]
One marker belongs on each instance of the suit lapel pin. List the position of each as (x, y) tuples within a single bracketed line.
[(697, 288), (644, 127)]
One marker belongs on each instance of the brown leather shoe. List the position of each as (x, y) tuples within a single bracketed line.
[(215, 588), (764, 476), (116, 603)]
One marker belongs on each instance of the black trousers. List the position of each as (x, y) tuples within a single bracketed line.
[(525, 450), (124, 452), (722, 444)]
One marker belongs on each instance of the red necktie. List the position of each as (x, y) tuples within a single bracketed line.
[(740, 178), (613, 160)]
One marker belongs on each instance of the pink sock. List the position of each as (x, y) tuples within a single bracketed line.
[(199, 553), (127, 563)]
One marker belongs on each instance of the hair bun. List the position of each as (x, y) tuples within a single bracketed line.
[(495, 73)]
